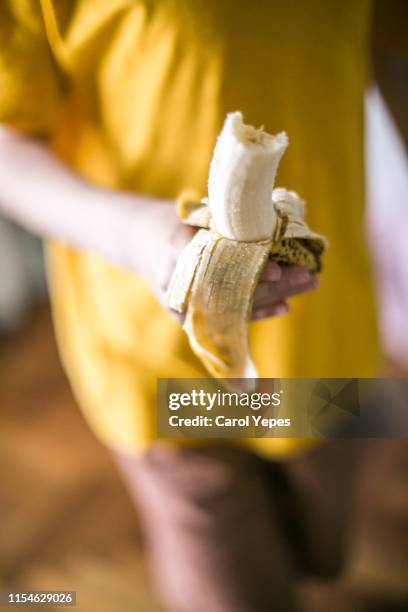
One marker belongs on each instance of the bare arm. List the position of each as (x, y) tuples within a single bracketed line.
[(43, 195)]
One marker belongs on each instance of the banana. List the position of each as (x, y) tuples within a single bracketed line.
[(220, 305), (186, 268), (243, 222)]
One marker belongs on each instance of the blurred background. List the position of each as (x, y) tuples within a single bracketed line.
[(66, 521)]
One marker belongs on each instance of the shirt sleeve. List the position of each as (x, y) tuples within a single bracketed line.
[(30, 86)]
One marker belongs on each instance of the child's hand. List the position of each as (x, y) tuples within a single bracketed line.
[(166, 238), (161, 237)]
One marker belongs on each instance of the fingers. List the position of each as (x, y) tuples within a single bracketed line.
[(296, 275), (273, 294), (271, 310), (294, 281), (271, 272), (261, 312), (275, 286)]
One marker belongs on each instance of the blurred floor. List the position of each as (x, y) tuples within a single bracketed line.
[(66, 522)]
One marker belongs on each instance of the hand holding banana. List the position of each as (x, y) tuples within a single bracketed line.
[(244, 222)]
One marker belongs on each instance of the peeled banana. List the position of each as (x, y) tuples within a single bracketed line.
[(243, 222)]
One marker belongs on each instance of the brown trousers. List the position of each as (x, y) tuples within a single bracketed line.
[(227, 531)]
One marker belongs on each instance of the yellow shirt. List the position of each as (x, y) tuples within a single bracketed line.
[(132, 94)]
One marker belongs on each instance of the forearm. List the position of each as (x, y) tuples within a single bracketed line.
[(43, 195)]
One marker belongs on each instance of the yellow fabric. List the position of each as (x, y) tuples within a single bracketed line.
[(132, 94)]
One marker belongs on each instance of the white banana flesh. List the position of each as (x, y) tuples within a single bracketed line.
[(242, 173), (244, 221)]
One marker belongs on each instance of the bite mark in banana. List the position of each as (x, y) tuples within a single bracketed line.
[(242, 173), (243, 222)]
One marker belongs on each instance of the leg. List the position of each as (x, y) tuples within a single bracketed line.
[(323, 487), (374, 577), (212, 529)]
